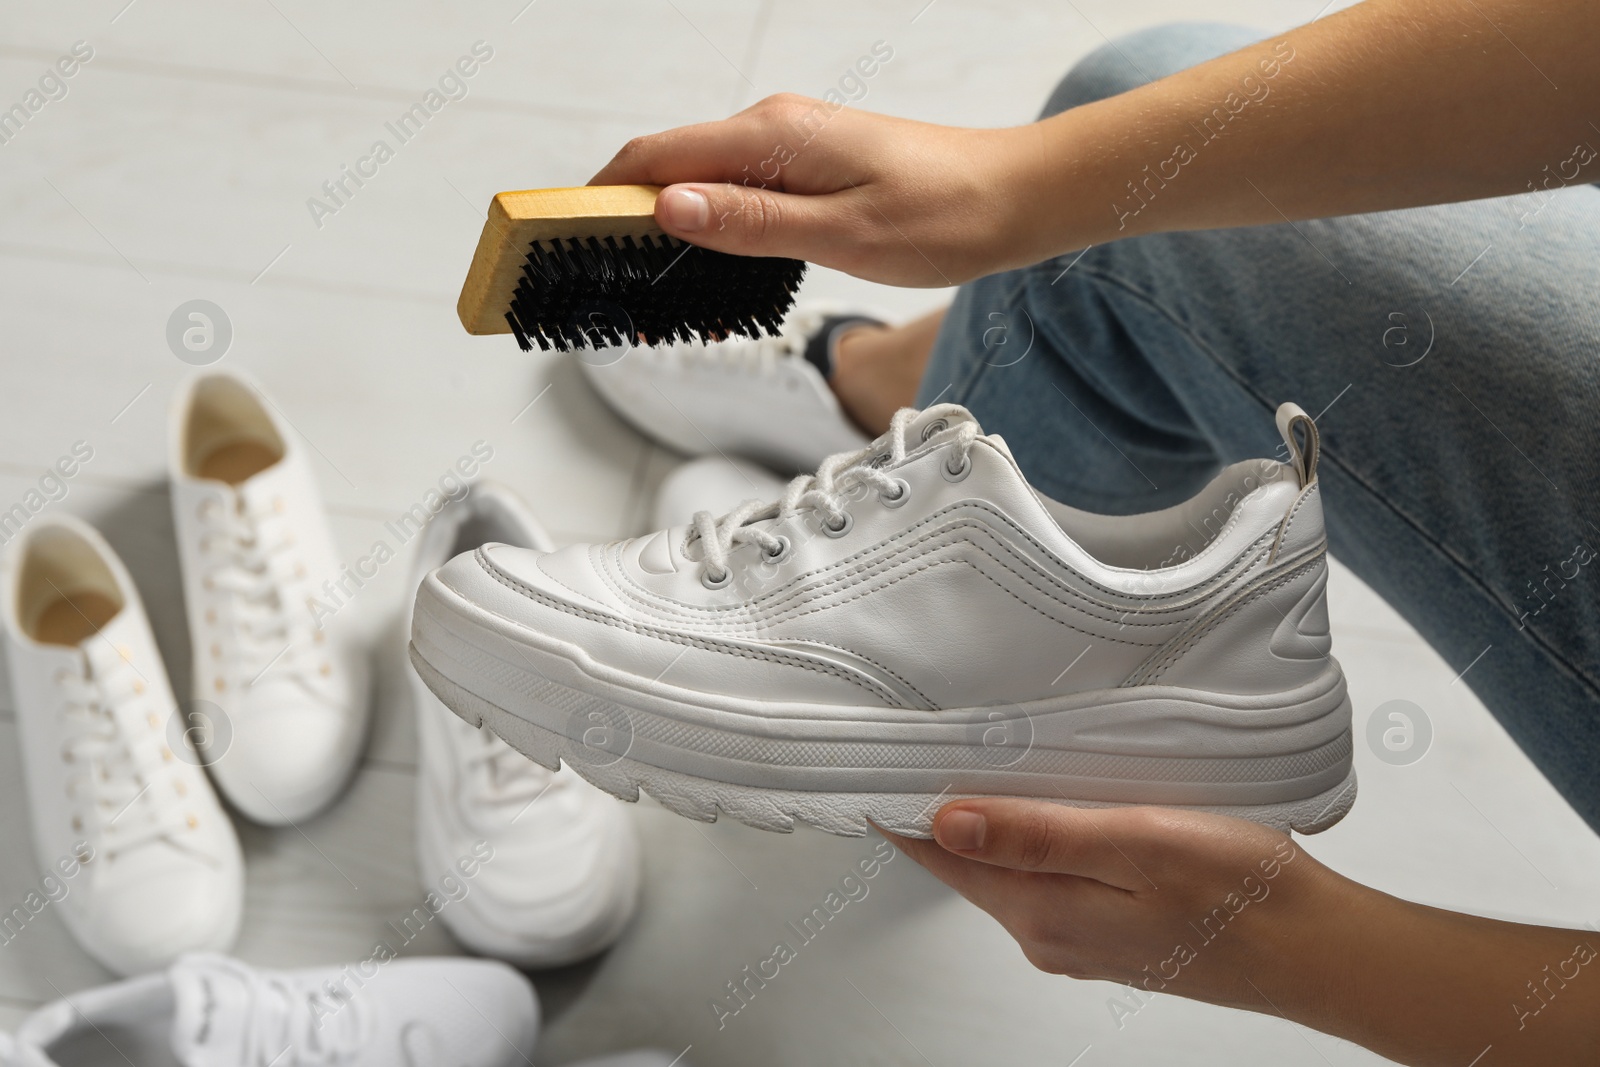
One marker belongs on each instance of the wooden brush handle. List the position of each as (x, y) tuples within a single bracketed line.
[(516, 219), (568, 209)]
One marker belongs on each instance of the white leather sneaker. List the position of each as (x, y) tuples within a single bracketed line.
[(761, 398), (212, 1011), (713, 484), (564, 879), (916, 624), (124, 820), (255, 550)]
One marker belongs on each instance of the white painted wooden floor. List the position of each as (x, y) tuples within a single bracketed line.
[(178, 166)]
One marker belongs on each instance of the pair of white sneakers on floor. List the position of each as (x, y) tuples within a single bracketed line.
[(125, 823), (211, 1011), (912, 623)]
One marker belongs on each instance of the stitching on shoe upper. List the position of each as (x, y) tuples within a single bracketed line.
[(1239, 568), (647, 599), (918, 569), (1007, 521), (606, 559), (1244, 562), (839, 597), (697, 641), (1314, 489), (1161, 662), (576, 593), (611, 565), (896, 675)]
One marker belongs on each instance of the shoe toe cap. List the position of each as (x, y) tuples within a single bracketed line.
[(556, 891), (514, 581), (159, 903), (492, 992), (290, 754)]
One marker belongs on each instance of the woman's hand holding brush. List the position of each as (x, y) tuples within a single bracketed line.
[(896, 201)]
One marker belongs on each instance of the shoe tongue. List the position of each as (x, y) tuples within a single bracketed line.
[(262, 488), (212, 1006), (122, 631)]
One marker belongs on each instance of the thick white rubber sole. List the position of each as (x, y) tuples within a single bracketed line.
[(1283, 761)]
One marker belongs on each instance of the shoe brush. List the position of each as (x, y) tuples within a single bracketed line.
[(589, 267)]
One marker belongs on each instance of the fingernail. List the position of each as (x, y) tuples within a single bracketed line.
[(961, 831), (686, 210)]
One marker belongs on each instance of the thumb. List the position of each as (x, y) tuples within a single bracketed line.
[(750, 222), (1037, 835)]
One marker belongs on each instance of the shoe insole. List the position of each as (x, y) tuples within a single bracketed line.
[(70, 620), (237, 462)]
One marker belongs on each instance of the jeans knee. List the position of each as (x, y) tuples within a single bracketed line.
[(1131, 61)]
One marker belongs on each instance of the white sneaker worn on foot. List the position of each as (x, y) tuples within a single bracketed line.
[(760, 398), (255, 551), (564, 877), (212, 1011), (714, 484), (123, 816), (916, 624)]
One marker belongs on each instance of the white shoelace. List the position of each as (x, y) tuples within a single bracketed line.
[(248, 556), (110, 778), (294, 1024), (824, 492)]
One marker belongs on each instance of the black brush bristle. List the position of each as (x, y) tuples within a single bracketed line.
[(593, 292)]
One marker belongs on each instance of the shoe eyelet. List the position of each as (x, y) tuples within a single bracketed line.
[(935, 427), (956, 474), (901, 495), (846, 521), (716, 583), (784, 545)]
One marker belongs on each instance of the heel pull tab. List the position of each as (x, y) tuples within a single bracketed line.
[(1292, 418)]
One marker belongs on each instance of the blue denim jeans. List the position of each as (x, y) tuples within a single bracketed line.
[(1451, 356)]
